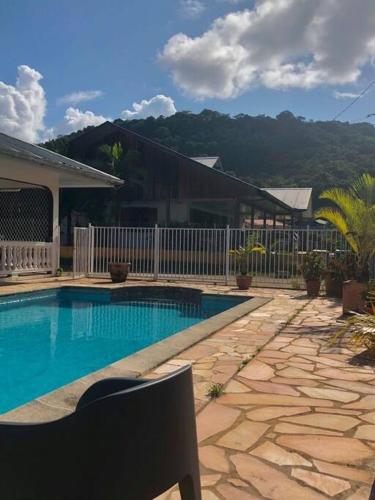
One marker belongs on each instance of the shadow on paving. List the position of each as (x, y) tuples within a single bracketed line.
[(363, 358)]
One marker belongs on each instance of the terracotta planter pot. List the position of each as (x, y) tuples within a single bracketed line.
[(333, 286), (119, 271), (353, 296), (312, 287), (244, 282)]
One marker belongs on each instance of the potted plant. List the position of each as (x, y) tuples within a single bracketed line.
[(312, 270), (334, 277), (119, 271), (59, 272), (333, 280), (241, 256), (353, 216), (339, 270)]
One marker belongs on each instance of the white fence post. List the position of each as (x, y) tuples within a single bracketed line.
[(227, 254), (156, 252), (56, 250), (91, 249), (308, 238), (74, 252)]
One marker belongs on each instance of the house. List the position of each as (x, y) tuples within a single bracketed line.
[(173, 189), (30, 181), (297, 198), (209, 161)]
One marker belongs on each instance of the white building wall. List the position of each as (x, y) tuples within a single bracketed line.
[(23, 171)]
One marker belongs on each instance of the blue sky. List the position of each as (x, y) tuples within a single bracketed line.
[(264, 59)]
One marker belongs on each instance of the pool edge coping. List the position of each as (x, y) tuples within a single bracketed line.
[(53, 405), (170, 347)]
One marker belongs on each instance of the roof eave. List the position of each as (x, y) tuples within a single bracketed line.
[(103, 179)]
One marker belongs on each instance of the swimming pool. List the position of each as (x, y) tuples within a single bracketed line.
[(50, 338)]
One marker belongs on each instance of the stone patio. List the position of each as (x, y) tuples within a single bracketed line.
[(297, 421), (297, 416)]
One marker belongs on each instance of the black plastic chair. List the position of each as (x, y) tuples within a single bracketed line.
[(128, 439)]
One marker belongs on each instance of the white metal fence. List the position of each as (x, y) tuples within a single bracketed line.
[(200, 254)]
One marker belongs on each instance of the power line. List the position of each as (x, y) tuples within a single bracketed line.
[(354, 100), (363, 118)]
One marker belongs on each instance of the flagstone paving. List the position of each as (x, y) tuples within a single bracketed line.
[(295, 422), (297, 416)]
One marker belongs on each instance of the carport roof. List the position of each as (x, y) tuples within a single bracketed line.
[(72, 173)]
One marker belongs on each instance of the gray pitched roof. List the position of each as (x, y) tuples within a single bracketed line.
[(209, 161), (262, 199), (296, 198), (21, 149)]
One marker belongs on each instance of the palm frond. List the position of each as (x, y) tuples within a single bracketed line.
[(258, 249), (344, 200), (336, 218), (364, 188), (116, 151)]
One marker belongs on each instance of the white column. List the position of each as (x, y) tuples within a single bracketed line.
[(227, 254), (55, 229)]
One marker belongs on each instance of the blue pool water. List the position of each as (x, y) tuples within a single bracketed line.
[(48, 339)]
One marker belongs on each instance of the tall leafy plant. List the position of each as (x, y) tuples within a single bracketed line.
[(114, 154), (241, 254), (354, 216), (312, 266)]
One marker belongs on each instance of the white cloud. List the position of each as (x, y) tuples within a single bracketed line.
[(79, 96), (278, 44), (234, 2), (75, 119), (345, 95), (23, 106), (156, 106), (191, 8)]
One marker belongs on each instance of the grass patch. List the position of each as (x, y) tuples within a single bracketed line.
[(215, 391)]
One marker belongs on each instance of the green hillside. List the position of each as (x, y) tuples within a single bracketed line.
[(281, 151)]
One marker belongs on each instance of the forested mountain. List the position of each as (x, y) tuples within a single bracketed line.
[(281, 151)]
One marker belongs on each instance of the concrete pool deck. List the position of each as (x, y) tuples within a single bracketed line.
[(297, 417)]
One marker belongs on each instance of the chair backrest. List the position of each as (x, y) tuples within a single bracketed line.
[(133, 444)]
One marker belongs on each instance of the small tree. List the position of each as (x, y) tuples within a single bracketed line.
[(241, 254), (114, 154), (354, 217)]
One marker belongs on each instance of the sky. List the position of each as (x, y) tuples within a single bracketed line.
[(67, 64)]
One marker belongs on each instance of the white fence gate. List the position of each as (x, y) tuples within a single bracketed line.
[(200, 254)]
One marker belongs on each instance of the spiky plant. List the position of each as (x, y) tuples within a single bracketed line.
[(361, 328), (354, 217), (241, 254)]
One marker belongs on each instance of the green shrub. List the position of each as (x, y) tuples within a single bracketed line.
[(312, 266)]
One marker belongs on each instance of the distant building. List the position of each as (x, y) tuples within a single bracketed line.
[(209, 161), (173, 189), (297, 198)]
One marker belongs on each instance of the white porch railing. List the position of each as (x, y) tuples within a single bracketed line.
[(200, 254), (21, 257)]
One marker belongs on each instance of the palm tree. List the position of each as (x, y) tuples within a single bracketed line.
[(114, 154), (242, 253), (354, 217)]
